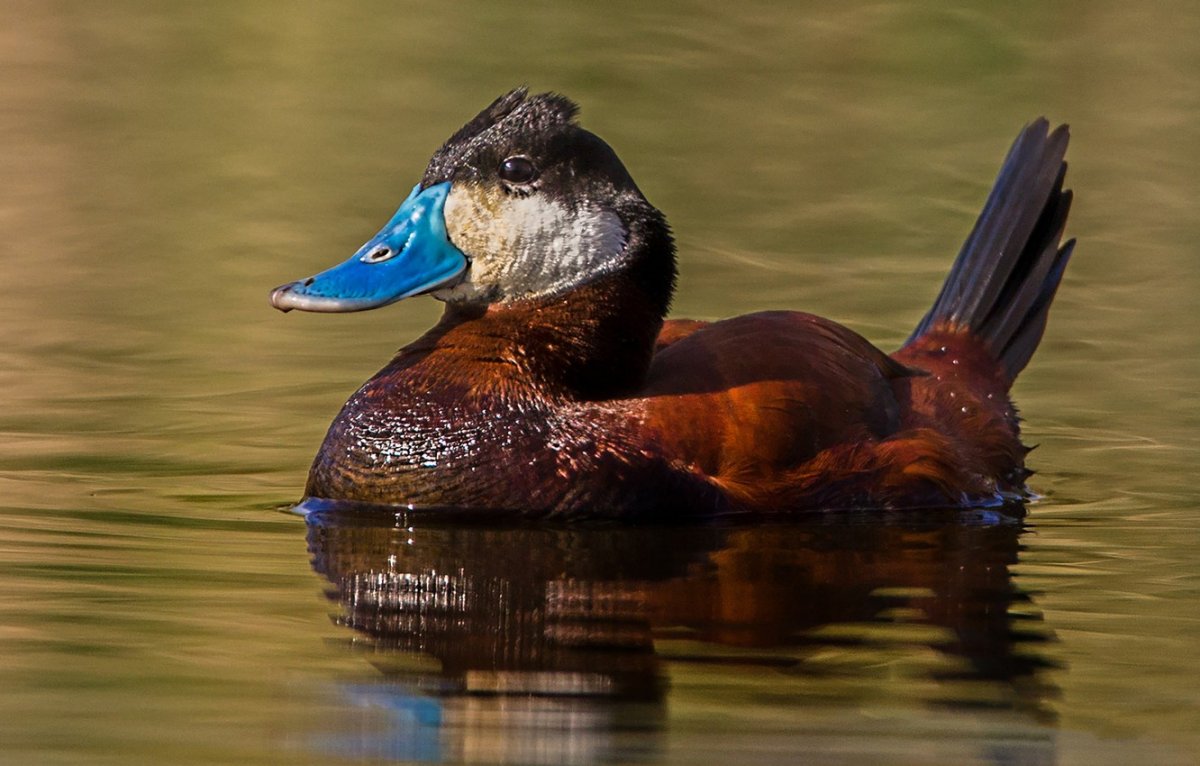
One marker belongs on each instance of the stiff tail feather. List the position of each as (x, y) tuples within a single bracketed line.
[(1004, 278)]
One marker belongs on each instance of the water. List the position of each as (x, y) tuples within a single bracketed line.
[(164, 166)]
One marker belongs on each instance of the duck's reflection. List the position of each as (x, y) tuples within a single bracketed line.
[(553, 645)]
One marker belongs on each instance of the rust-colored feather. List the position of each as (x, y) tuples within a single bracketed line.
[(587, 403)]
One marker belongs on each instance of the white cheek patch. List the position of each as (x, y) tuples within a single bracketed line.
[(529, 247)]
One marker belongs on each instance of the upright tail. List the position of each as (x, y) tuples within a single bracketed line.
[(1004, 279)]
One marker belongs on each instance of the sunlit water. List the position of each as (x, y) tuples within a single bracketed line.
[(163, 166)]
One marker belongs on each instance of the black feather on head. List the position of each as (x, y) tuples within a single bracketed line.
[(514, 111)]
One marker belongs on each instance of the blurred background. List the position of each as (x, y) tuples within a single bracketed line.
[(162, 166)]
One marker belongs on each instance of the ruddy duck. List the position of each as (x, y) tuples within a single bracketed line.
[(552, 387)]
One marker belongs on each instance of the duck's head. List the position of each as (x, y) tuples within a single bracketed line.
[(520, 204)]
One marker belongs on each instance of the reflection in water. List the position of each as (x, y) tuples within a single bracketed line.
[(554, 645)]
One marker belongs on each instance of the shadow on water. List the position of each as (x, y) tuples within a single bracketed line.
[(555, 645)]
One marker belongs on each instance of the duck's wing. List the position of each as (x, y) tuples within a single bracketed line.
[(763, 393)]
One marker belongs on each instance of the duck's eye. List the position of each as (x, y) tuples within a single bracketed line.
[(517, 170)]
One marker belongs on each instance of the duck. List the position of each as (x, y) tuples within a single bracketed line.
[(555, 387)]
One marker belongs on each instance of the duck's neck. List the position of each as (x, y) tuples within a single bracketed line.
[(593, 343)]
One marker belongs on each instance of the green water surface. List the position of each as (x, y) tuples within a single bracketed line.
[(163, 165)]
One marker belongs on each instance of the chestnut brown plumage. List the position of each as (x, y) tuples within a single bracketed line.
[(582, 402)]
